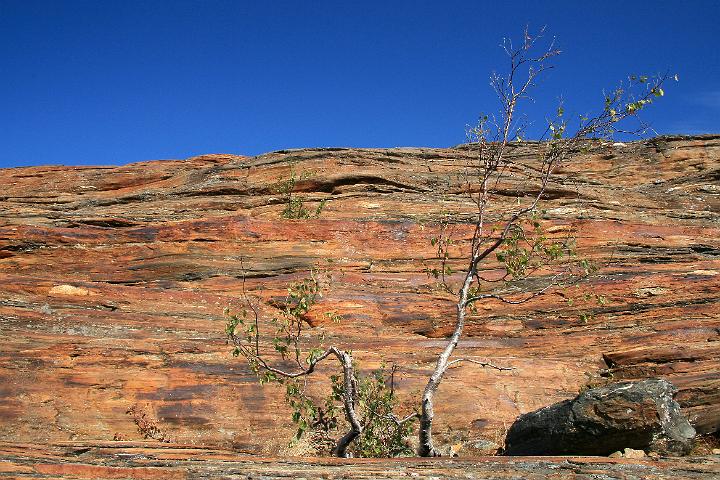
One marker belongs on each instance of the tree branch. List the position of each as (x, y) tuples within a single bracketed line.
[(482, 364), (401, 421), (503, 299)]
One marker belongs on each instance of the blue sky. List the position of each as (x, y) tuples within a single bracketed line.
[(113, 82)]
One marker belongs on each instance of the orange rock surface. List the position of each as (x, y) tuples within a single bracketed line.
[(144, 460), (113, 282)]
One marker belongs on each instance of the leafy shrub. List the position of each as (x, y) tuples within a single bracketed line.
[(371, 398), (323, 421), (294, 205)]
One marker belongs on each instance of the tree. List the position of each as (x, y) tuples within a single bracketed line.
[(515, 237), (368, 402)]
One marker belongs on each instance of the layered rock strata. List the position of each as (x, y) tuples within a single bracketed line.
[(127, 460), (113, 282)]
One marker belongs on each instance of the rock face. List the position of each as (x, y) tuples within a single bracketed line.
[(127, 460), (636, 415), (699, 390), (113, 282)]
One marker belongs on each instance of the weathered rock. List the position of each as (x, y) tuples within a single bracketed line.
[(632, 453), (113, 282), (688, 367), (626, 416)]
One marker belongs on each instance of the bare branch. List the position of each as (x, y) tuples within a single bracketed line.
[(401, 421), (252, 308), (504, 299), (478, 362)]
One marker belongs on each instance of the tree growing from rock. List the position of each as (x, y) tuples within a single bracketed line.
[(510, 257), (367, 401)]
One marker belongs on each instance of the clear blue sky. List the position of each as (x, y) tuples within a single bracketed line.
[(113, 82)]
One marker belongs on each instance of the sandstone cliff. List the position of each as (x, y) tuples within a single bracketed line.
[(113, 281)]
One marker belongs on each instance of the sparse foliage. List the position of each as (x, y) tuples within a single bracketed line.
[(295, 207), (367, 403), (383, 435), (512, 258), (147, 423)]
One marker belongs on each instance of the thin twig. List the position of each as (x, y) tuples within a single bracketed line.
[(478, 362)]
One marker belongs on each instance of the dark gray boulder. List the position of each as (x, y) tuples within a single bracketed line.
[(639, 415)]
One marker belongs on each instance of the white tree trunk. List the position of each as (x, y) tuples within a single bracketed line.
[(427, 414)]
